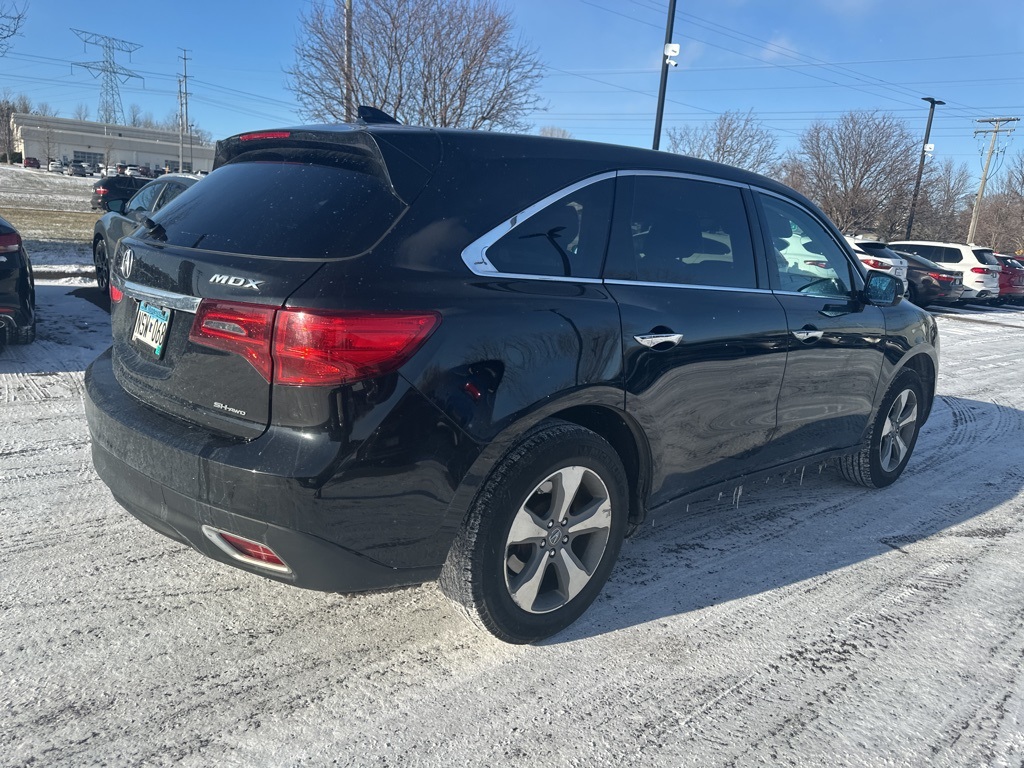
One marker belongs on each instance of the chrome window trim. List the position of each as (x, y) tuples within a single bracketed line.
[(162, 298), (730, 288)]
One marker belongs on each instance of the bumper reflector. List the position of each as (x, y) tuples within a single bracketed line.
[(246, 550)]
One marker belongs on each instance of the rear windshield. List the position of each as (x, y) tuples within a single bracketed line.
[(986, 256), (920, 261), (284, 207), (879, 250)]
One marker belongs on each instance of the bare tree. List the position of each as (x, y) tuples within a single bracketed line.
[(448, 63), (860, 170), (10, 105), (1001, 221), (554, 132), (11, 19), (81, 112), (135, 115), (735, 138), (45, 110)]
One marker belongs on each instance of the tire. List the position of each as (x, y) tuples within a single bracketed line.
[(521, 568), (102, 264), (912, 294), (26, 334), (893, 436)]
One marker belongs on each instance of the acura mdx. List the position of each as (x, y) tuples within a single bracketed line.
[(363, 356)]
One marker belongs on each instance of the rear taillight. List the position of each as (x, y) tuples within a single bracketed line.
[(982, 271), (941, 277), (10, 243), (101, 191), (330, 348), (243, 329), (876, 264), (115, 293), (312, 347)]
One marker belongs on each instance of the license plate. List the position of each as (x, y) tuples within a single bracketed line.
[(151, 327)]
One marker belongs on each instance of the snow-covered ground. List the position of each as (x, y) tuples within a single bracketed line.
[(815, 623)]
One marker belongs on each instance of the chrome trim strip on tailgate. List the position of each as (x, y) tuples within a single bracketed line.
[(162, 298)]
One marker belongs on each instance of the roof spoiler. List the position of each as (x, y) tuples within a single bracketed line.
[(374, 116)]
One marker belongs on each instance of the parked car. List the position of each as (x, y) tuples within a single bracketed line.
[(30, 162), (1011, 280), (111, 188), (133, 170), (348, 359), (123, 217), (76, 169), (978, 266), (875, 254), (930, 283), (17, 289), (55, 165)]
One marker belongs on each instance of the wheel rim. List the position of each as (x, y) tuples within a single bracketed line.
[(557, 539), (898, 430), (102, 268)]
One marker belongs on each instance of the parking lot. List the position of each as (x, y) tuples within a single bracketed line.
[(799, 621)]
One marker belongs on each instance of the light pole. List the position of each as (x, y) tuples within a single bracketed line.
[(920, 166), (666, 62)]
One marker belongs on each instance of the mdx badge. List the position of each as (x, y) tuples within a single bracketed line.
[(237, 282), (127, 262)]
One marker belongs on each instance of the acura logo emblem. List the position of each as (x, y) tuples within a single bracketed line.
[(127, 262)]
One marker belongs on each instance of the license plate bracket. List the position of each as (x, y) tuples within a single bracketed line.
[(151, 324)]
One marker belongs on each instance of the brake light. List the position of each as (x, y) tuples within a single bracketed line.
[(10, 243), (876, 264), (264, 135), (242, 329), (115, 294), (941, 277), (979, 270), (311, 347), (331, 348), (101, 191), (252, 549)]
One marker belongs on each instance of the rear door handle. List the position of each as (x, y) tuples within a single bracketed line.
[(651, 340), (808, 334)]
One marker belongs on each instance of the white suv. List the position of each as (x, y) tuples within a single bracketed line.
[(979, 266), (875, 254)]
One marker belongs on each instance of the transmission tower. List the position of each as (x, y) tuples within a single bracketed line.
[(110, 95)]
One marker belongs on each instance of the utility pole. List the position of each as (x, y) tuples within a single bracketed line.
[(181, 133), (184, 113), (998, 123), (110, 110), (920, 167), (350, 111), (669, 51)]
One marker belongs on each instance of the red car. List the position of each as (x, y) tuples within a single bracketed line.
[(1011, 280), (30, 162)]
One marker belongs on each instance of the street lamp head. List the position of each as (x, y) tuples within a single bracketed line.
[(933, 102)]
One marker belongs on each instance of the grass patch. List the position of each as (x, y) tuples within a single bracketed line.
[(68, 226)]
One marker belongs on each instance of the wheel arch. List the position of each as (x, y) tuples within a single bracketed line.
[(923, 365)]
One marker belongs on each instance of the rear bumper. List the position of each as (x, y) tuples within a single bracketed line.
[(345, 515), (313, 563)]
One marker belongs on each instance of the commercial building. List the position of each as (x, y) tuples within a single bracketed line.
[(82, 141)]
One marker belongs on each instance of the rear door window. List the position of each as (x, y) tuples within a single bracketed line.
[(688, 232)]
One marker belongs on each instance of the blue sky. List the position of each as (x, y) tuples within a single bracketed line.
[(790, 61)]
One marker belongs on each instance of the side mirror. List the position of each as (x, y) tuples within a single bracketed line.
[(117, 206), (882, 290)]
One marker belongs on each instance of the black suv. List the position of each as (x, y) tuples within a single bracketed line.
[(111, 188), (17, 289), (364, 356)]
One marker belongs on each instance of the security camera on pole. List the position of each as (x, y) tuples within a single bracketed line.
[(671, 49)]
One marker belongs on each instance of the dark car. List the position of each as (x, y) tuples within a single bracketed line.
[(112, 188), (1011, 280), (364, 356), (17, 289), (122, 217), (931, 283), (30, 162)]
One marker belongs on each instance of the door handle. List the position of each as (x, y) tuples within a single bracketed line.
[(652, 340), (808, 334)]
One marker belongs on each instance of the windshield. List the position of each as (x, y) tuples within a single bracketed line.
[(879, 250)]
